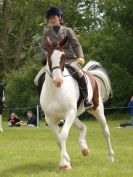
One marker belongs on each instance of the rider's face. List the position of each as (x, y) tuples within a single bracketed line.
[(54, 20)]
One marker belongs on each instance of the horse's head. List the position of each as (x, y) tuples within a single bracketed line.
[(2, 95), (56, 60)]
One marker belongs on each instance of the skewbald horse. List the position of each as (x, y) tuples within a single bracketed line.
[(2, 99), (59, 97)]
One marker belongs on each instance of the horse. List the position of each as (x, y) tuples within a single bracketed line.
[(60, 94), (2, 99)]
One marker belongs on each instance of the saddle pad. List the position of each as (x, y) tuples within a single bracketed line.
[(95, 98)]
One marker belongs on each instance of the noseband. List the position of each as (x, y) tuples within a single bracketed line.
[(56, 67)]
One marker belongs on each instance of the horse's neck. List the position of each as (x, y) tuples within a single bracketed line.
[(67, 77), (68, 84)]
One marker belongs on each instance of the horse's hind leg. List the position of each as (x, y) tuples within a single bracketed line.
[(1, 129), (82, 138), (99, 114)]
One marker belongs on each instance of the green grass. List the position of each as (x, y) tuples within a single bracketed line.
[(32, 152)]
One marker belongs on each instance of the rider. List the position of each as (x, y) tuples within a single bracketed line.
[(73, 51)]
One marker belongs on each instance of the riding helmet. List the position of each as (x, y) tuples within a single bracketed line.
[(53, 11)]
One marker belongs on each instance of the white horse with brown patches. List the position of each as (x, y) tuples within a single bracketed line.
[(59, 97)]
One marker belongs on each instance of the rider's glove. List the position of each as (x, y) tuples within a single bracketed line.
[(81, 61)]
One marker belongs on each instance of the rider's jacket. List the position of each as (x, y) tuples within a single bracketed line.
[(72, 47)]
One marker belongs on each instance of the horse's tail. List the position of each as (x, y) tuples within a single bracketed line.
[(101, 77)]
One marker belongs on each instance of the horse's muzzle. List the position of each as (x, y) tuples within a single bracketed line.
[(58, 83)]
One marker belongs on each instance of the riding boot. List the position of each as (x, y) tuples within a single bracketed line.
[(84, 92)]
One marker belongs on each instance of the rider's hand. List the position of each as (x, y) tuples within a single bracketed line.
[(81, 61)]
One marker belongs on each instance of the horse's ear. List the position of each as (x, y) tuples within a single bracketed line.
[(48, 41), (61, 43)]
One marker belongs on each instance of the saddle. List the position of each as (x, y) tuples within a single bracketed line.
[(95, 98)]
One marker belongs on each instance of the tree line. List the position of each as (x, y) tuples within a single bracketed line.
[(104, 29)]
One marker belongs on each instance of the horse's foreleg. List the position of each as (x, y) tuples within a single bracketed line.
[(55, 129), (1, 129), (99, 114), (82, 139), (65, 160)]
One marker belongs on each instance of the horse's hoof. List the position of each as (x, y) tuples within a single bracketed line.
[(85, 152), (65, 168), (111, 158)]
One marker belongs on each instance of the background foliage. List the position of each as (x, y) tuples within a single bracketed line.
[(104, 28)]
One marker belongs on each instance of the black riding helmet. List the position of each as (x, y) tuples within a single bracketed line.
[(53, 11)]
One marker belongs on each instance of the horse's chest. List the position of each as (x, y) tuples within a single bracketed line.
[(55, 110), (57, 104)]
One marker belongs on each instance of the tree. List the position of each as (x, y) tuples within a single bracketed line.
[(122, 85), (20, 22), (104, 29), (20, 89)]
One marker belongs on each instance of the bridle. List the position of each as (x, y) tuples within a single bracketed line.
[(60, 67), (51, 47), (55, 67)]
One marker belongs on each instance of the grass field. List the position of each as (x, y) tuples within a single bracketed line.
[(32, 152)]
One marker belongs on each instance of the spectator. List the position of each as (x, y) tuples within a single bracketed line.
[(130, 105), (14, 120), (32, 121)]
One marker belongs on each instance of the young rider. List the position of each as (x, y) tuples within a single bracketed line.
[(72, 48)]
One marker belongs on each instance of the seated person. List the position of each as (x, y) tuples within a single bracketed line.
[(32, 121), (14, 120)]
